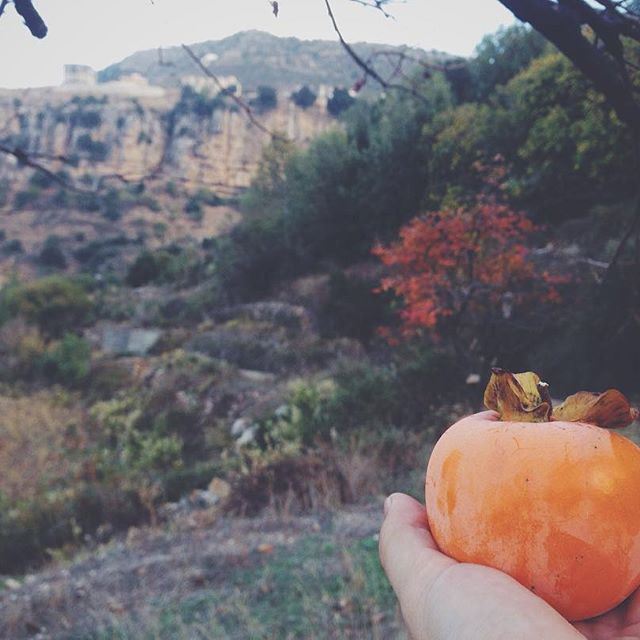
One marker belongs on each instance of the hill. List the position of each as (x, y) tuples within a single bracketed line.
[(257, 58)]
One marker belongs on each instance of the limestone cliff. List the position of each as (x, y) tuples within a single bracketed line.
[(140, 131)]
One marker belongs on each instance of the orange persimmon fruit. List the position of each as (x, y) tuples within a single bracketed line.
[(552, 499)]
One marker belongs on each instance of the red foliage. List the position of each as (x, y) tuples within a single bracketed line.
[(463, 260)]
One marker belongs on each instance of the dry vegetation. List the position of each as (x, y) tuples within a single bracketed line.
[(38, 434)]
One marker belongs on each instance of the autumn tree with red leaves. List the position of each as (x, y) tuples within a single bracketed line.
[(461, 264)]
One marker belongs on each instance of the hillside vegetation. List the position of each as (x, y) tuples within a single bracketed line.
[(307, 357), (259, 58)]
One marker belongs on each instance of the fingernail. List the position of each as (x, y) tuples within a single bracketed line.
[(387, 505)]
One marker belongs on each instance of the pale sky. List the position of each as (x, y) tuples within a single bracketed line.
[(101, 32)]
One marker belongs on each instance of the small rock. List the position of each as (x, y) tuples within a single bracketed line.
[(220, 488), (247, 437), (10, 583), (203, 499), (239, 427), (256, 376)]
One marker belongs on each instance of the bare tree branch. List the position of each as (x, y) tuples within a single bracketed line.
[(367, 67), (28, 160), (375, 4), (241, 103), (31, 17)]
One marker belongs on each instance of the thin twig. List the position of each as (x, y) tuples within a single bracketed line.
[(367, 68), (241, 103), (27, 160), (375, 4)]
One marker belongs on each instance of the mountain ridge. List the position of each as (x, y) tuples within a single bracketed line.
[(258, 58)]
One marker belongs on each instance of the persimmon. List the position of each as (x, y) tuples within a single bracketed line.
[(551, 498)]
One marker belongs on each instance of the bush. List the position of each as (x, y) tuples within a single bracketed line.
[(4, 192), (339, 102), (95, 149), (147, 268), (196, 103), (40, 180), (193, 209), (13, 246), (26, 198), (352, 308), (67, 361), (134, 449), (112, 205), (51, 254), (169, 265), (304, 97), (266, 99), (88, 201), (55, 304), (86, 119)]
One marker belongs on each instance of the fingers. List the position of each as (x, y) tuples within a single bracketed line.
[(409, 554)]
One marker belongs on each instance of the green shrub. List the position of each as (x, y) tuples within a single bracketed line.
[(86, 119), (171, 189), (352, 308), (339, 102), (137, 448), (112, 205), (193, 209), (266, 99), (4, 192), (366, 397), (26, 198), (67, 361), (147, 268), (54, 303), (13, 246), (95, 149), (88, 201), (197, 103), (52, 255), (304, 97), (40, 180), (169, 265)]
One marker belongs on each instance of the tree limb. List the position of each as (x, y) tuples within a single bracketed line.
[(31, 17), (28, 160), (241, 103), (561, 23)]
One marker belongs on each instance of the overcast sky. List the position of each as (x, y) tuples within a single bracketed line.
[(100, 32)]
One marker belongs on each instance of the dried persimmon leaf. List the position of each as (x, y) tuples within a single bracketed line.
[(610, 409), (519, 397)]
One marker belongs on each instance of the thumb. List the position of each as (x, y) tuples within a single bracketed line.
[(409, 554), (442, 598)]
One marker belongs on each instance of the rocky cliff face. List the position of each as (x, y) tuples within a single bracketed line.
[(138, 132)]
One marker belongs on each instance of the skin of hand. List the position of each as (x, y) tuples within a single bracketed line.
[(442, 599)]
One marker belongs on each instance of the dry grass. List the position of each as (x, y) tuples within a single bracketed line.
[(37, 434)]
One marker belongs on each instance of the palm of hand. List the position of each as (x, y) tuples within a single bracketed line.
[(442, 599)]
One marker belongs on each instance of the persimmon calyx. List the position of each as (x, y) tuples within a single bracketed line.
[(523, 397), (518, 397), (610, 409)]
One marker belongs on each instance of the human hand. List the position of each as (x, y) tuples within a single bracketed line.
[(442, 599)]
